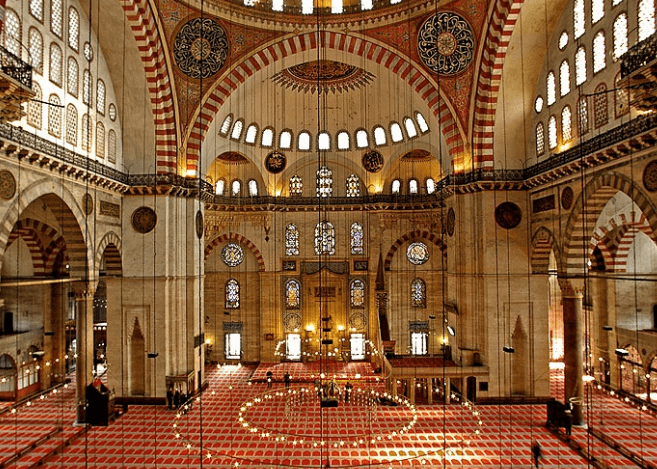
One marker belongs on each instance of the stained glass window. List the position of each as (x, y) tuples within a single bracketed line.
[(36, 9), (599, 52), (324, 238), (579, 22), (100, 97), (267, 139), (564, 78), (100, 140), (35, 108), (421, 122), (296, 185), (55, 64), (232, 294), (73, 29), (225, 125), (417, 253), (580, 66), (396, 132), (620, 36), (538, 104), (56, 17), (285, 139), (597, 10), (73, 75), (418, 293), (357, 238), (353, 186), (540, 139), (12, 32), (566, 124), (304, 141), (251, 134), (292, 294), (71, 125), (361, 139), (563, 40), (552, 132), (87, 80), (646, 18), (55, 116), (237, 129), (111, 146), (86, 133), (379, 136), (411, 131), (324, 182), (343, 140), (291, 240), (600, 106), (232, 254), (36, 49), (395, 187), (621, 98), (357, 291), (583, 107), (551, 89)]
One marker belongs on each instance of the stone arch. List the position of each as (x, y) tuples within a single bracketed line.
[(587, 209), (617, 237), (543, 244), (501, 24), (69, 216), (242, 240), (28, 230), (422, 84), (414, 235), (109, 248)]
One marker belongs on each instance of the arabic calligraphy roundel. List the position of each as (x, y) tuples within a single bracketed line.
[(446, 43), (200, 48)]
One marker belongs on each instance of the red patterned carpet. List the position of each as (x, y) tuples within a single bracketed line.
[(145, 436)]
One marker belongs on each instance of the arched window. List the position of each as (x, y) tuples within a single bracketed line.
[(296, 185), (304, 141), (395, 186), (87, 80), (540, 139), (411, 131), (357, 239), (251, 134), (621, 98), (291, 240), (580, 66), (579, 21), (267, 139), (324, 141), (620, 36), (421, 122), (418, 293), (343, 140), (35, 108), (357, 293), (583, 107), (253, 188), (73, 29), (564, 78), (71, 125), (36, 9), (73, 76), (13, 33), (361, 138), (100, 140), (219, 187), (600, 106), (86, 133), (237, 129), (324, 238), (111, 146), (285, 139), (566, 124), (353, 186), (55, 116), (552, 133), (292, 294), (35, 45), (56, 14), (551, 89), (396, 133), (599, 52), (55, 73), (225, 125), (563, 40), (646, 18), (324, 186), (431, 186), (597, 10), (232, 294), (379, 136), (236, 188), (100, 97), (412, 186)]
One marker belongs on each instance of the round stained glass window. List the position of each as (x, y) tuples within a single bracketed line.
[(232, 255), (112, 112), (417, 253)]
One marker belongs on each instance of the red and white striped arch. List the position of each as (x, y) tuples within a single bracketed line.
[(414, 236), (615, 238), (503, 18), (416, 77), (542, 245), (30, 231), (242, 241)]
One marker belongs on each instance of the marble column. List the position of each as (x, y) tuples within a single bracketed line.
[(573, 354)]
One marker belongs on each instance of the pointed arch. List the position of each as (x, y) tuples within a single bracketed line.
[(242, 241), (109, 248), (411, 236), (543, 244)]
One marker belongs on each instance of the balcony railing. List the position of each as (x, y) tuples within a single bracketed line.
[(15, 68), (639, 55)]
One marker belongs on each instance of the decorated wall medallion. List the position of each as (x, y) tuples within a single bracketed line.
[(372, 161), (199, 224), (232, 254), (87, 204), (292, 322), (200, 48), (275, 162), (357, 321), (144, 220), (508, 215), (417, 253), (446, 43), (567, 197), (7, 184), (450, 222), (650, 176)]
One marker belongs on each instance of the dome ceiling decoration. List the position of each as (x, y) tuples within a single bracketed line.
[(417, 156), (446, 43), (232, 157), (200, 48), (323, 75)]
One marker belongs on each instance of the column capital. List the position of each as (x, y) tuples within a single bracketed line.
[(83, 289), (571, 288)]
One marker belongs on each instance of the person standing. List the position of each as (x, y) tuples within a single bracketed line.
[(347, 391), (170, 398), (287, 379), (176, 399), (536, 453), (270, 376)]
